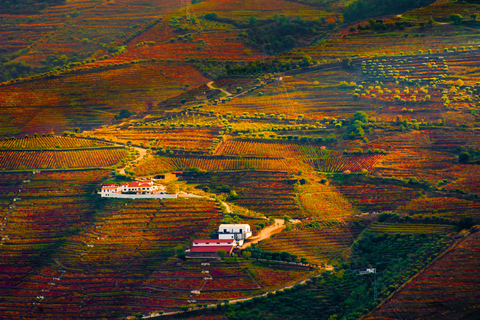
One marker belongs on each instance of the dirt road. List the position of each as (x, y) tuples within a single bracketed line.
[(212, 87), (266, 233), (141, 152)]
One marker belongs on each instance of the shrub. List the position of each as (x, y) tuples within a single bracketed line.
[(456, 18)]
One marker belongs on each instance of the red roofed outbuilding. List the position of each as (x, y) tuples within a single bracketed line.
[(208, 248)]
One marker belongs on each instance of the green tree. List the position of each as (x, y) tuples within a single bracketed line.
[(456, 18), (284, 256), (221, 253), (173, 188), (233, 195), (180, 253), (430, 22), (252, 22), (354, 130), (360, 116), (306, 60)]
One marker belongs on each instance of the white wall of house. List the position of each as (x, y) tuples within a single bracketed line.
[(140, 196), (145, 188), (239, 232), (109, 191), (213, 242), (148, 189)]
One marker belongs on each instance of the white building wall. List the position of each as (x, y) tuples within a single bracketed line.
[(141, 196), (230, 231), (213, 243)]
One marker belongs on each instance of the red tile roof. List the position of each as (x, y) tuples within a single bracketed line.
[(211, 248), (136, 184)]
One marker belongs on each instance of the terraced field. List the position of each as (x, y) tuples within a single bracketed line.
[(362, 136), (319, 244), (448, 287), (395, 228)]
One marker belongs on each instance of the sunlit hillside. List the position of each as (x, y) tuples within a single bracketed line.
[(135, 133)]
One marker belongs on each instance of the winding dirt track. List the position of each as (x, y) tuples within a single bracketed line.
[(212, 87), (141, 152), (266, 233)]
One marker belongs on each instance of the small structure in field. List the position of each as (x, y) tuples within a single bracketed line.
[(239, 232), (208, 248)]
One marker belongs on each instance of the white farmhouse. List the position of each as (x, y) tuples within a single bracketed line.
[(107, 191), (239, 232), (145, 187), (132, 188)]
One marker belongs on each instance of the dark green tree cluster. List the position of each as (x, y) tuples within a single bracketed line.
[(210, 68), (362, 9), (355, 129), (280, 35), (10, 70), (274, 35), (26, 6), (271, 66), (456, 18), (13, 70), (124, 114), (469, 155)]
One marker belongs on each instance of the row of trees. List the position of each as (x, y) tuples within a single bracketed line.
[(271, 66)]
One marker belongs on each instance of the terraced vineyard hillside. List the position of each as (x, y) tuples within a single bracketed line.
[(448, 286), (350, 147)]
